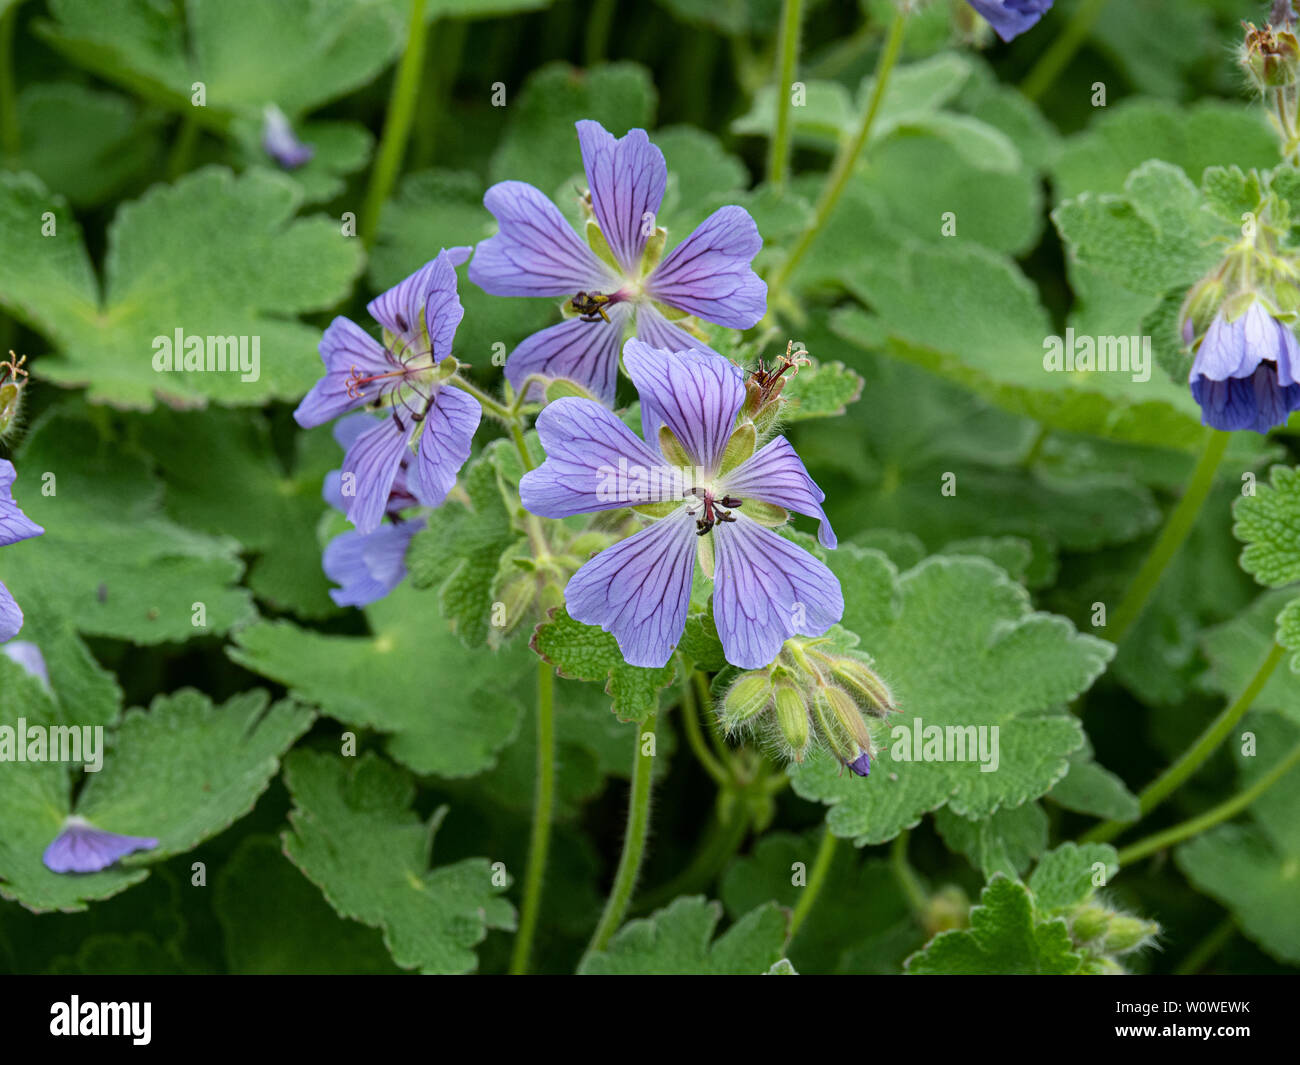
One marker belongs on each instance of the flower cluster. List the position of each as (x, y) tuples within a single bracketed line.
[(813, 693)]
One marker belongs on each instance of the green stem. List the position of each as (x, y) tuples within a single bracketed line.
[(178, 160), (816, 881), (1207, 948), (695, 736), (717, 848), (440, 69), (499, 410), (842, 169), (596, 39), (634, 837), (1205, 745), (397, 125), (906, 876), (543, 809), (1177, 528), (1144, 847), (705, 697), (1062, 49), (778, 156), (10, 140)]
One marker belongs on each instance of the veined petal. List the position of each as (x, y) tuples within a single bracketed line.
[(368, 567), (627, 176), (1224, 352), (431, 292), (82, 848), (372, 463), (585, 352), (1226, 405), (11, 617), (14, 524), (535, 251), (696, 394), (767, 589), (27, 655), (639, 589), (657, 331), (708, 274), (444, 445), (347, 351), (776, 474), (593, 462)]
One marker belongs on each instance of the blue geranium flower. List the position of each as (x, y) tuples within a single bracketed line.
[(1010, 18), (14, 526), (1244, 373)]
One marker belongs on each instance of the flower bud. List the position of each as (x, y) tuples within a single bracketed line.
[(13, 379), (792, 718), (1127, 933), (1270, 55), (864, 684), (945, 910), (749, 696), (1199, 309)]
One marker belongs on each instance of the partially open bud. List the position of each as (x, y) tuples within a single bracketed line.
[(13, 379), (1270, 55)]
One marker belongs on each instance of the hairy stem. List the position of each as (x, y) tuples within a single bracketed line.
[(695, 736), (787, 55), (842, 169), (1062, 49), (1176, 530), (1192, 759), (397, 125), (905, 875), (816, 881), (543, 809), (1146, 847), (634, 838)]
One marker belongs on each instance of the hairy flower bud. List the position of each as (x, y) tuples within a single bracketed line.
[(792, 718), (747, 698), (13, 379)]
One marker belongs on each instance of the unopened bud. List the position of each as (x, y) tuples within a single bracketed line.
[(864, 683), (792, 718), (1127, 933), (748, 697)]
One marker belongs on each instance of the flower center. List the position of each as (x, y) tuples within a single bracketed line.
[(712, 509)]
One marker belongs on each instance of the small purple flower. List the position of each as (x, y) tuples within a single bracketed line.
[(1010, 18), (408, 376), (280, 142), (14, 526), (369, 565), (1244, 374), (80, 847), (861, 765), (766, 588), (617, 278), (29, 656)]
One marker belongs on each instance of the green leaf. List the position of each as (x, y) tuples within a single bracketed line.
[(971, 316), (104, 527), (1068, 875), (1157, 236), (214, 256), (1006, 842), (823, 390), (339, 149), (274, 921), (1006, 937), (1288, 631), (1088, 788), (1237, 648), (1268, 523), (679, 940), (585, 652), (1122, 137), (449, 722), (1254, 869), (298, 54), (1004, 666), (354, 835), (182, 772), (86, 144)]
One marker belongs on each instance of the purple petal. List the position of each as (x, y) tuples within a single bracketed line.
[(11, 618), (587, 447), (639, 589), (585, 352), (861, 765), (654, 329), (627, 177), (767, 589), (535, 251), (1010, 18), (775, 474), (347, 351), (428, 296), (280, 142), (368, 567), (27, 655), (695, 394), (708, 274), (1224, 351), (82, 848), (444, 445), (372, 463), (14, 524)]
